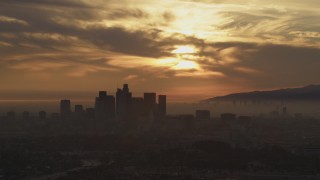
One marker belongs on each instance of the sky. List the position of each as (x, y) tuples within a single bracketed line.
[(187, 49)]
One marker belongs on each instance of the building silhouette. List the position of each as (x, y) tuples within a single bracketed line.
[(137, 107), (123, 102), (150, 105), (65, 109), (78, 109), (111, 107), (78, 112), (123, 106), (162, 106), (104, 106)]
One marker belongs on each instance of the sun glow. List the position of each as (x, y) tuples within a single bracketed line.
[(186, 65), (184, 50), (178, 64)]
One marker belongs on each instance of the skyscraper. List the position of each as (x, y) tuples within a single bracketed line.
[(150, 105), (111, 107), (65, 108), (123, 102), (162, 105), (100, 106), (104, 106), (78, 112)]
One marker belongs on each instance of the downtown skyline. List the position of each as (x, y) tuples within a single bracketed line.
[(189, 50)]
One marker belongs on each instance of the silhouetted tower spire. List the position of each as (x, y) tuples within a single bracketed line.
[(123, 102), (125, 88)]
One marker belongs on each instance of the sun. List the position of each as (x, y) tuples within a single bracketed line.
[(184, 65), (178, 64), (184, 50)]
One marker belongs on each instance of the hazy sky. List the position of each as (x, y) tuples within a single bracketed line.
[(187, 49)]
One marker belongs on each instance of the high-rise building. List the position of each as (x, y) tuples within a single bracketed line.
[(78, 109), (78, 112), (104, 106), (150, 104), (162, 105), (125, 88), (65, 109), (111, 107), (100, 106), (123, 102), (102, 94)]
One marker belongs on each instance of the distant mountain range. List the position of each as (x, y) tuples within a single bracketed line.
[(307, 93)]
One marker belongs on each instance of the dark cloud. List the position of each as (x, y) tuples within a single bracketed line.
[(168, 16), (268, 65), (80, 37), (63, 3), (120, 40), (218, 1), (272, 24), (45, 23), (127, 13)]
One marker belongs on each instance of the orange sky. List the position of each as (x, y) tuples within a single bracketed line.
[(190, 50)]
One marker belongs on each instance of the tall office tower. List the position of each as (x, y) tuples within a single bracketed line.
[(101, 106), (162, 105), (78, 109), (78, 112), (150, 105), (104, 106), (125, 88), (123, 102), (65, 108)]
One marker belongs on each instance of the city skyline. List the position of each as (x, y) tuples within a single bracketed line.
[(159, 89), (195, 51)]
